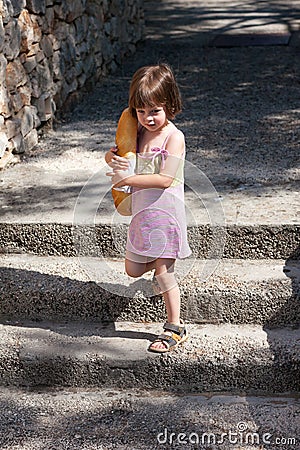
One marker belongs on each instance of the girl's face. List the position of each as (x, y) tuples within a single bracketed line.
[(153, 118)]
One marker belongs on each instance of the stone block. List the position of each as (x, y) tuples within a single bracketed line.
[(35, 88), (58, 66), (98, 61), (15, 6), (25, 92), (78, 67), (89, 65), (98, 44), (115, 27), (31, 140), (41, 79), (57, 97), (46, 46), (26, 119), (116, 8), (16, 102), (70, 75), (55, 42), (107, 28), (3, 65), (3, 143), (61, 11), (80, 30), (31, 32), (40, 56), (29, 62), (33, 50), (76, 9), (13, 127), (113, 67), (81, 80), (44, 107), (2, 35), (95, 10), (53, 107), (95, 25), (7, 11), (67, 89), (81, 50), (36, 6), (60, 31), (48, 21), (18, 144), (36, 119), (4, 102), (15, 75), (68, 50), (107, 50)]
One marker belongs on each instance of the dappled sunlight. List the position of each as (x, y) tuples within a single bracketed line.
[(85, 419), (205, 19)]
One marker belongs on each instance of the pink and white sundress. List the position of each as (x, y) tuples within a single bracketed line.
[(158, 227)]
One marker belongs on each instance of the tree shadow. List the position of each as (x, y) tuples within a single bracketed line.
[(240, 105), (131, 420), (179, 21), (29, 295)]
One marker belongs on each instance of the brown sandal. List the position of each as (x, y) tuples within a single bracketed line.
[(179, 335)]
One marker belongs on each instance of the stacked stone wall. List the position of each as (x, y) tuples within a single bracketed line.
[(50, 49)]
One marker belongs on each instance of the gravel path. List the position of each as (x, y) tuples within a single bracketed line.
[(241, 117), (137, 420), (241, 111)]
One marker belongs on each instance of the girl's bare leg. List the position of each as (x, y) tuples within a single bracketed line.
[(137, 265), (171, 296)]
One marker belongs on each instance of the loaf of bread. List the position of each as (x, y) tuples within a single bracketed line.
[(126, 139), (126, 134)]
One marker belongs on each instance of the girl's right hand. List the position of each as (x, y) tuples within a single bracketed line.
[(116, 162)]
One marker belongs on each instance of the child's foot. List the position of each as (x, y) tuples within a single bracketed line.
[(173, 336)]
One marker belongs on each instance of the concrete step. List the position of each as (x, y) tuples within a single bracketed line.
[(107, 240), (62, 205), (93, 419), (213, 291), (226, 357)]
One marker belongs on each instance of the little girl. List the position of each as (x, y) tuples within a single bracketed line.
[(157, 233)]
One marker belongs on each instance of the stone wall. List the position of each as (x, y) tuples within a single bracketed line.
[(51, 48)]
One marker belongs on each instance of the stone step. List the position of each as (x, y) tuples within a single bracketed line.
[(127, 419), (230, 358), (62, 206), (35, 287), (106, 240)]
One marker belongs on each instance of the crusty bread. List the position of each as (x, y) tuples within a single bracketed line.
[(126, 133), (126, 138)]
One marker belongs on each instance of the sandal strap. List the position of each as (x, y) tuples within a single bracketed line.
[(180, 330), (169, 340)]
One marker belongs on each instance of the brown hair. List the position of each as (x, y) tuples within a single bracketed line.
[(155, 85)]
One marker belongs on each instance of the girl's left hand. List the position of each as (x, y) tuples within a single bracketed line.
[(118, 178)]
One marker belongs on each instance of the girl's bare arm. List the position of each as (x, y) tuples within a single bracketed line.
[(160, 180)]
